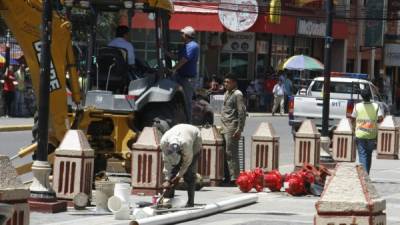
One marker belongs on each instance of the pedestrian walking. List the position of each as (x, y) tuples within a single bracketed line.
[(20, 91), (8, 91), (233, 117), (279, 94), (186, 68), (366, 116), (180, 148), (288, 91)]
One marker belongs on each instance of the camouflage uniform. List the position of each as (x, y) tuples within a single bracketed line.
[(233, 118)]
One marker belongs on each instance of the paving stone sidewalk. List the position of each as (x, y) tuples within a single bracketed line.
[(272, 208)]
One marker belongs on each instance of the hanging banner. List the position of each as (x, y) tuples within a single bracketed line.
[(374, 23)]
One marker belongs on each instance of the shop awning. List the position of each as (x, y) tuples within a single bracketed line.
[(204, 17)]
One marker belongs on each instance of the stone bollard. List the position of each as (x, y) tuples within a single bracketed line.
[(307, 145), (344, 146), (13, 192), (147, 163), (349, 197), (265, 148), (73, 166), (388, 139), (211, 160)]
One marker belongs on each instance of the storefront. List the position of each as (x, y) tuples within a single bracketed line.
[(251, 53)]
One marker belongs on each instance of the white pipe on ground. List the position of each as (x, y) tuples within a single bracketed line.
[(209, 209)]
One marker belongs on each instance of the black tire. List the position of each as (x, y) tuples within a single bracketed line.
[(170, 113)]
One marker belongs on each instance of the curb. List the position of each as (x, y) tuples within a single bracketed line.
[(15, 128)]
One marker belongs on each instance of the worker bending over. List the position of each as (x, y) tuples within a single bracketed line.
[(180, 148)]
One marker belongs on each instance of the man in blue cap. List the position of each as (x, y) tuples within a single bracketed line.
[(180, 148)]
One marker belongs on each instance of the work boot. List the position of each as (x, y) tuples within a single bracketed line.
[(190, 191)]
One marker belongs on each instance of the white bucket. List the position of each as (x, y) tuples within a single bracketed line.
[(123, 191), (119, 208), (101, 201)]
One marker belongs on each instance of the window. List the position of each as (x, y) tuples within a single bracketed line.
[(236, 63), (340, 87), (280, 49)]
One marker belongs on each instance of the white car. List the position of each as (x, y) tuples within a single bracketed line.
[(344, 94)]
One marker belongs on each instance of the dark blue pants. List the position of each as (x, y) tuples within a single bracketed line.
[(365, 148)]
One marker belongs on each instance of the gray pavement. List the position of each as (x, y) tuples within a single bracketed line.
[(271, 208)]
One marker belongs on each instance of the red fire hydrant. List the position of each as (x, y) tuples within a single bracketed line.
[(245, 181), (295, 184), (258, 179), (273, 180)]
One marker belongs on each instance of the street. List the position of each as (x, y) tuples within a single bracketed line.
[(13, 141)]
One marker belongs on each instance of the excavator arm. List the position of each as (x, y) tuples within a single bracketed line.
[(23, 18)]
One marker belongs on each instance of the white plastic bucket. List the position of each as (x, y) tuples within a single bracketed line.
[(123, 191), (101, 201)]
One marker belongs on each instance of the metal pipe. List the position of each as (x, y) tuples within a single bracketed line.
[(209, 209)]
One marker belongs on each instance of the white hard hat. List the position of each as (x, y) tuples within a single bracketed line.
[(189, 31)]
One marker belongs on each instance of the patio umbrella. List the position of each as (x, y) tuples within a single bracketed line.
[(303, 62)]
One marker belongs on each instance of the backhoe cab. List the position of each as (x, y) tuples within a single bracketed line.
[(120, 101)]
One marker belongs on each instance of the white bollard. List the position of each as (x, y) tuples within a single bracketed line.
[(388, 139), (211, 159), (147, 163), (349, 198), (265, 148), (343, 146), (307, 145), (73, 166), (13, 192)]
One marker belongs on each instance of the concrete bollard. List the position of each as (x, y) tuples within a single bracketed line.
[(344, 146), (73, 166), (388, 139), (349, 197), (13, 192), (265, 148), (307, 145), (211, 160), (147, 163)]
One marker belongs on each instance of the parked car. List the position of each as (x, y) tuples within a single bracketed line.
[(344, 94)]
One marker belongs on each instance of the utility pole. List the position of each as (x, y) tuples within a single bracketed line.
[(42, 197), (327, 80), (327, 70)]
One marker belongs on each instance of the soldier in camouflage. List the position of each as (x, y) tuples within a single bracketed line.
[(233, 118)]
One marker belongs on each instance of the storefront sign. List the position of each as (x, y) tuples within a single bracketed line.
[(311, 28), (392, 54), (239, 42), (373, 25)]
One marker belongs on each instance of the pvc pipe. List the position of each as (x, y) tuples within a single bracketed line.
[(209, 209), (119, 208), (123, 191)]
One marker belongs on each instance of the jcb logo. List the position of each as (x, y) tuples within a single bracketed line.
[(54, 82)]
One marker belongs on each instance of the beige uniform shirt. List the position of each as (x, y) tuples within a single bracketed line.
[(187, 136), (233, 115)]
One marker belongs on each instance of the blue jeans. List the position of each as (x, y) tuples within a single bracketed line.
[(365, 148)]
